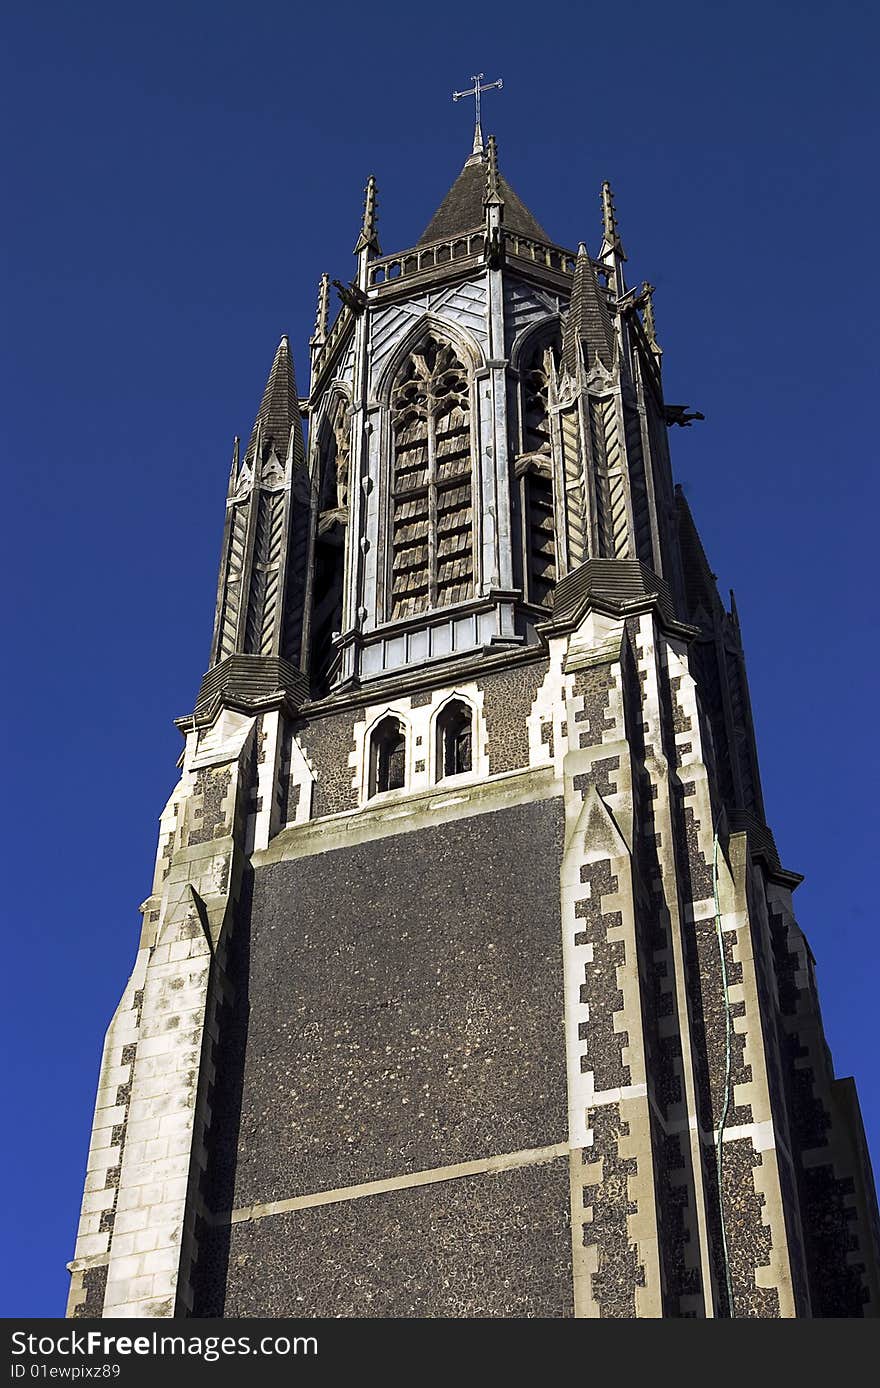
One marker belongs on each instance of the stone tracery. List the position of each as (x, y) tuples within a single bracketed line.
[(431, 495)]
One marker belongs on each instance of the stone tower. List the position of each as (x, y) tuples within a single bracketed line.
[(469, 983)]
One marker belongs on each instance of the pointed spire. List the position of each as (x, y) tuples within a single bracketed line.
[(322, 314), (279, 407), (369, 239), (233, 471), (611, 236), (478, 140), (463, 208), (648, 319), (588, 331), (493, 196)]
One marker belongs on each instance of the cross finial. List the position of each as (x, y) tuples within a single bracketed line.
[(475, 91)]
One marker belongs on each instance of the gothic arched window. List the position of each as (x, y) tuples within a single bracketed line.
[(535, 471), (432, 561), (387, 756), (330, 523), (454, 740)]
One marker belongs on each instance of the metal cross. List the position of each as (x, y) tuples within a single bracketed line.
[(475, 92)]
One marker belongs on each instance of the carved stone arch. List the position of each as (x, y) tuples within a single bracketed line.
[(336, 390), (427, 324), (330, 451), (377, 738), (531, 350), (332, 436), (531, 335), (430, 544)]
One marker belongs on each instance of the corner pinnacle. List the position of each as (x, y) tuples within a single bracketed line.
[(369, 239), (612, 241), (493, 196), (233, 470), (322, 313), (588, 332), (279, 406)]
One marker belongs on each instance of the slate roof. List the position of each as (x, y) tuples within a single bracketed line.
[(699, 580), (279, 407), (462, 208), (617, 582), (589, 321)]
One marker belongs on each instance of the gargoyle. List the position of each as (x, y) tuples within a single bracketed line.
[(353, 297), (678, 414), (634, 299)]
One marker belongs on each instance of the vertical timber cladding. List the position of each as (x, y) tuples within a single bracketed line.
[(406, 1018)]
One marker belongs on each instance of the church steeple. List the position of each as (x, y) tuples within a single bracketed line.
[(466, 859)]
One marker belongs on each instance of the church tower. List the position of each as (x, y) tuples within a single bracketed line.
[(469, 983)]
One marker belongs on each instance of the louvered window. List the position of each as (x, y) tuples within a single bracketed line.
[(432, 562)]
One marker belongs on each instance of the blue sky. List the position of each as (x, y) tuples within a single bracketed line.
[(175, 179)]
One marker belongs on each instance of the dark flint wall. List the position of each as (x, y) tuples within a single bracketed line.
[(405, 1013), (490, 1245)]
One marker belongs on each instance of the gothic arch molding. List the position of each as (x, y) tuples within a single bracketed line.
[(428, 325), (531, 337), (389, 715), (335, 400), (456, 699)]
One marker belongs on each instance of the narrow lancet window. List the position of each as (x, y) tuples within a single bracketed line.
[(432, 563), (535, 470), (454, 740), (330, 525), (387, 757)]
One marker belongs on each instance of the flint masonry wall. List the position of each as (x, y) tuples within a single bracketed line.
[(403, 1014)]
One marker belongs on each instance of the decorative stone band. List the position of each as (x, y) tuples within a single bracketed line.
[(506, 1161)]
